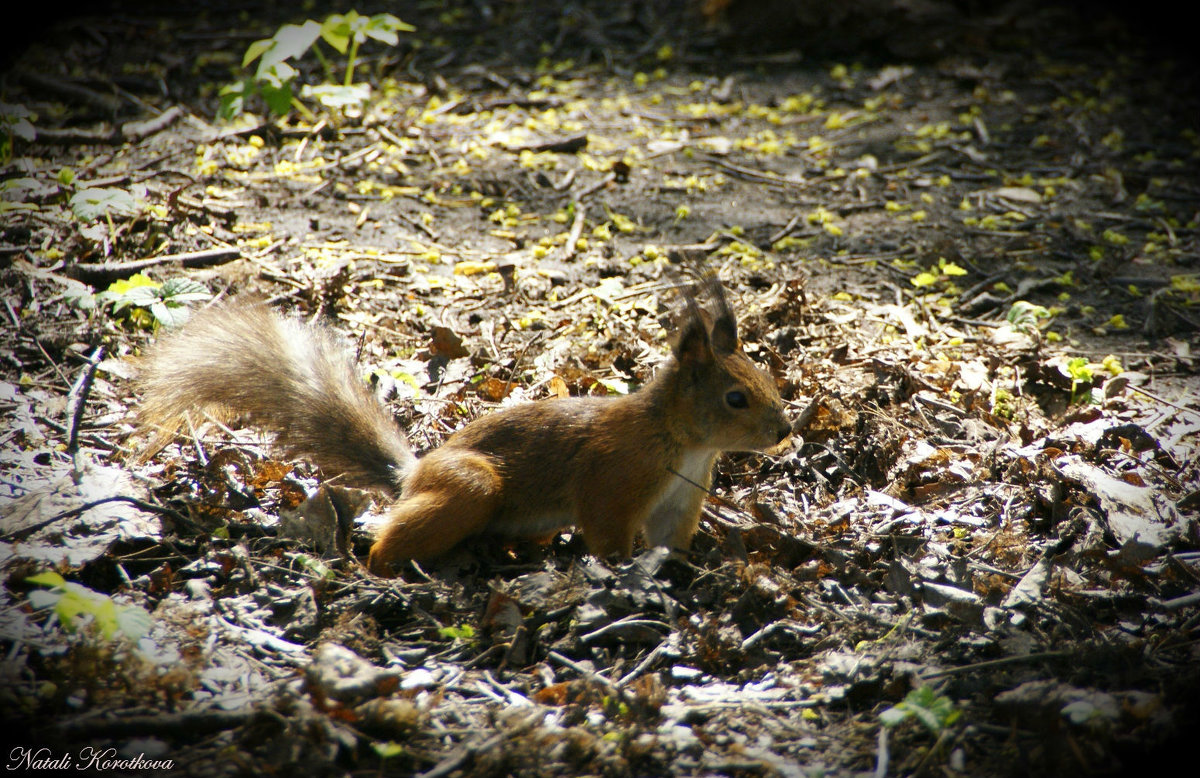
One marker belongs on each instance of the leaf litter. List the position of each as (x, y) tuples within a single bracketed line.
[(979, 553)]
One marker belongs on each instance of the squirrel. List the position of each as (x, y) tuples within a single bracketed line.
[(609, 466)]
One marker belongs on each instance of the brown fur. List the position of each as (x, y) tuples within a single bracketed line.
[(294, 380), (613, 467)]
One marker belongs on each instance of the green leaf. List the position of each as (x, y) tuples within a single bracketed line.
[(278, 75), (138, 289), (389, 22), (332, 96), (893, 716), (388, 749), (934, 712), (72, 601), (928, 717), (233, 99), (22, 129), (278, 98), (336, 32), (69, 607), (11, 112), (19, 186), (184, 290), (134, 622), (383, 28), (170, 315), (1022, 309), (1078, 369), (383, 36), (140, 296), (316, 567), (1024, 316), (135, 281), (102, 609), (92, 204), (164, 303), (291, 40), (257, 49), (48, 578), (14, 118), (461, 632)]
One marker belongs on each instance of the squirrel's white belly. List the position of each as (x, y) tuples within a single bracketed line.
[(693, 472)]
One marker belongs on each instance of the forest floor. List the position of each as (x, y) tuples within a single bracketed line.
[(966, 245)]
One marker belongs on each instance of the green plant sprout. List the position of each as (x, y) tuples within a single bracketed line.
[(274, 76), (315, 566), (923, 704), (96, 205), (1080, 371), (388, 750), (461, 632), (89, 205), (76, 605), (936, 713), (14, 123), (150, 303), (1002, 403), (1023, 317)]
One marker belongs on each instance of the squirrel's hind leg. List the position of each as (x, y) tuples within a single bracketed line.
[(450, 496)]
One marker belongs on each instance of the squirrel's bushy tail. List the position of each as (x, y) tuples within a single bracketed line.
[(283, 376)]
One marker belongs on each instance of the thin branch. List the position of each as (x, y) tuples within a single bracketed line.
[(107, 272)]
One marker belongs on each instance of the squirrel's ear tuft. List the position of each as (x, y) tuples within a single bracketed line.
[(724, 335), (692, 345)]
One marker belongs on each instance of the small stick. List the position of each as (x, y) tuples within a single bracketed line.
[(149, 507), (76, 402), (576, 231), (89, 272)]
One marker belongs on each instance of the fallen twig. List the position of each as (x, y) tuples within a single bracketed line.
[(576, 231), (187, 723), (162, 510), (107, 272), (76, 402)]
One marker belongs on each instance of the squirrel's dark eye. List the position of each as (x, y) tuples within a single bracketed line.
[(737, 399)]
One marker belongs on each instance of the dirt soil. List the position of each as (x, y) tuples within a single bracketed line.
[(964, 237)]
